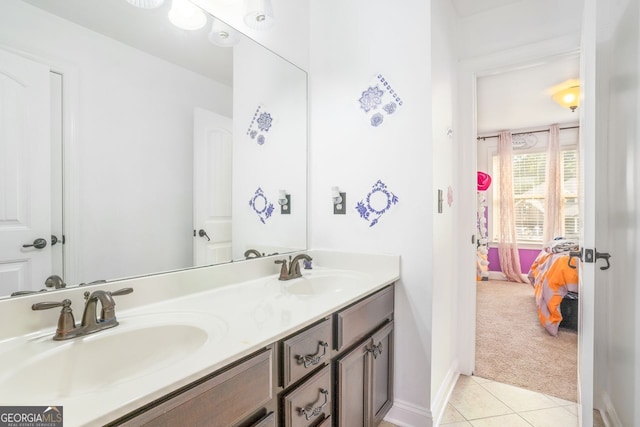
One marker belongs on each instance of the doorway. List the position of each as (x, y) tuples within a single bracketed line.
[(511, 345)]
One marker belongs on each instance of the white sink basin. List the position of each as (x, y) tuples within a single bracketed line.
[(138, 346), (325, 282)]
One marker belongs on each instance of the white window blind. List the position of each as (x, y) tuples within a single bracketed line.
[(529, 190)]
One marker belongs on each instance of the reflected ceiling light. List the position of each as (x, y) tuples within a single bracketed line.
[(146, 4), (568, 97), (259, 14), (223, 35), (185, 15)]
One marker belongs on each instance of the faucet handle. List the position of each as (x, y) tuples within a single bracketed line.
[(284, 271), (66, 323), (66, 303), (123, 291)]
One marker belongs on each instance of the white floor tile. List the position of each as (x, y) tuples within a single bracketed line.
[(451, 415), (512, 420), (481, 380), (458, 424), (473, 401), (519, 399), (552, 417), (561, 402)]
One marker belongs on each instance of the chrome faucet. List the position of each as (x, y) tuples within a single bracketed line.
[(294, 267), (90, 321)]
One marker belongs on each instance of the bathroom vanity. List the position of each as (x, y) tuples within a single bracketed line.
[(338, 368), (227, 345)]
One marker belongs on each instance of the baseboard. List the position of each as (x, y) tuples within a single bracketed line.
[(608, 413), (405, 414), (497, 275), (439, 403)]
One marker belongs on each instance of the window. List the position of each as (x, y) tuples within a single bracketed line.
[(529, 190)]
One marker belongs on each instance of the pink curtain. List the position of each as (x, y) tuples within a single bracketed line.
[(507, 244), (553, 206)]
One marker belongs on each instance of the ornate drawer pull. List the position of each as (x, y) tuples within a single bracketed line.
[(376, 350), (309, 411), (313, 359)]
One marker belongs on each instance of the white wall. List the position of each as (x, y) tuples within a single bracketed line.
[(444, 310), (517, 24), (351, 42), (131, 134), (617, 342)]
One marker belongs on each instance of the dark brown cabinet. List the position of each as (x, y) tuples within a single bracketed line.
[(364, 382)]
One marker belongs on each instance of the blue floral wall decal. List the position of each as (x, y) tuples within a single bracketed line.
[(381, 95), (260, 124), (261, 206), (370, 98), (377, 202)]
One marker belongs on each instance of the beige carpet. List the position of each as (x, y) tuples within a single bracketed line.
[(513, 348)]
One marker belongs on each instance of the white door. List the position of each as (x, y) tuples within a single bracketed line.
[(24, 173), (212, 155)]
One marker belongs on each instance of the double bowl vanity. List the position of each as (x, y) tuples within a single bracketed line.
[(227, 345)]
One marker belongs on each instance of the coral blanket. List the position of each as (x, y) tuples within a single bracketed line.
[(552, 279)]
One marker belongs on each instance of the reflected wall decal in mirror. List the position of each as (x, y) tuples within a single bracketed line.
[(144, 146)]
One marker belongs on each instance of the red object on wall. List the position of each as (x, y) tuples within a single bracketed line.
[(484, 181)]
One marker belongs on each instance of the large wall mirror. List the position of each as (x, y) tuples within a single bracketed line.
[(163, 150)]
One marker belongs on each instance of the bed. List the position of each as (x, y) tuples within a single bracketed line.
[(555, 286)]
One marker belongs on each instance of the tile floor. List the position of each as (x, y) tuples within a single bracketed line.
[(478, 402)]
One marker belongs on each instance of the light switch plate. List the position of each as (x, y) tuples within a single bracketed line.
[(286, 209), (341, 208)]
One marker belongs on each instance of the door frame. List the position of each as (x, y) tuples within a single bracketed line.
[(468, 73)]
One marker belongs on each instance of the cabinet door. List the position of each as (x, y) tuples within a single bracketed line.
[(352, 371), (223, 400), (381, 357)]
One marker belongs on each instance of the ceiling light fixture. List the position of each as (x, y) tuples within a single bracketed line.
[(223, 35), (259, 14), (568, 97), (185, 15), (146, 4)]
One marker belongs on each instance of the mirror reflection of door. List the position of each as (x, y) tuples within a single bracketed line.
[(27, 92), (212, 167)]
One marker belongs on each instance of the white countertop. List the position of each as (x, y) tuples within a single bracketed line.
[(238, 318)]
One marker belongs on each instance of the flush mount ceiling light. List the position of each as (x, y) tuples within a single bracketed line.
[(259, 14), (185, 15), (223, 35), (568, 97), (146, 4)]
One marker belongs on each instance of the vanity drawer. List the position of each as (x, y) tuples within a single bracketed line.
[(267, 421), (305, 351), (224, 399), (354, 322), (310, 402)]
